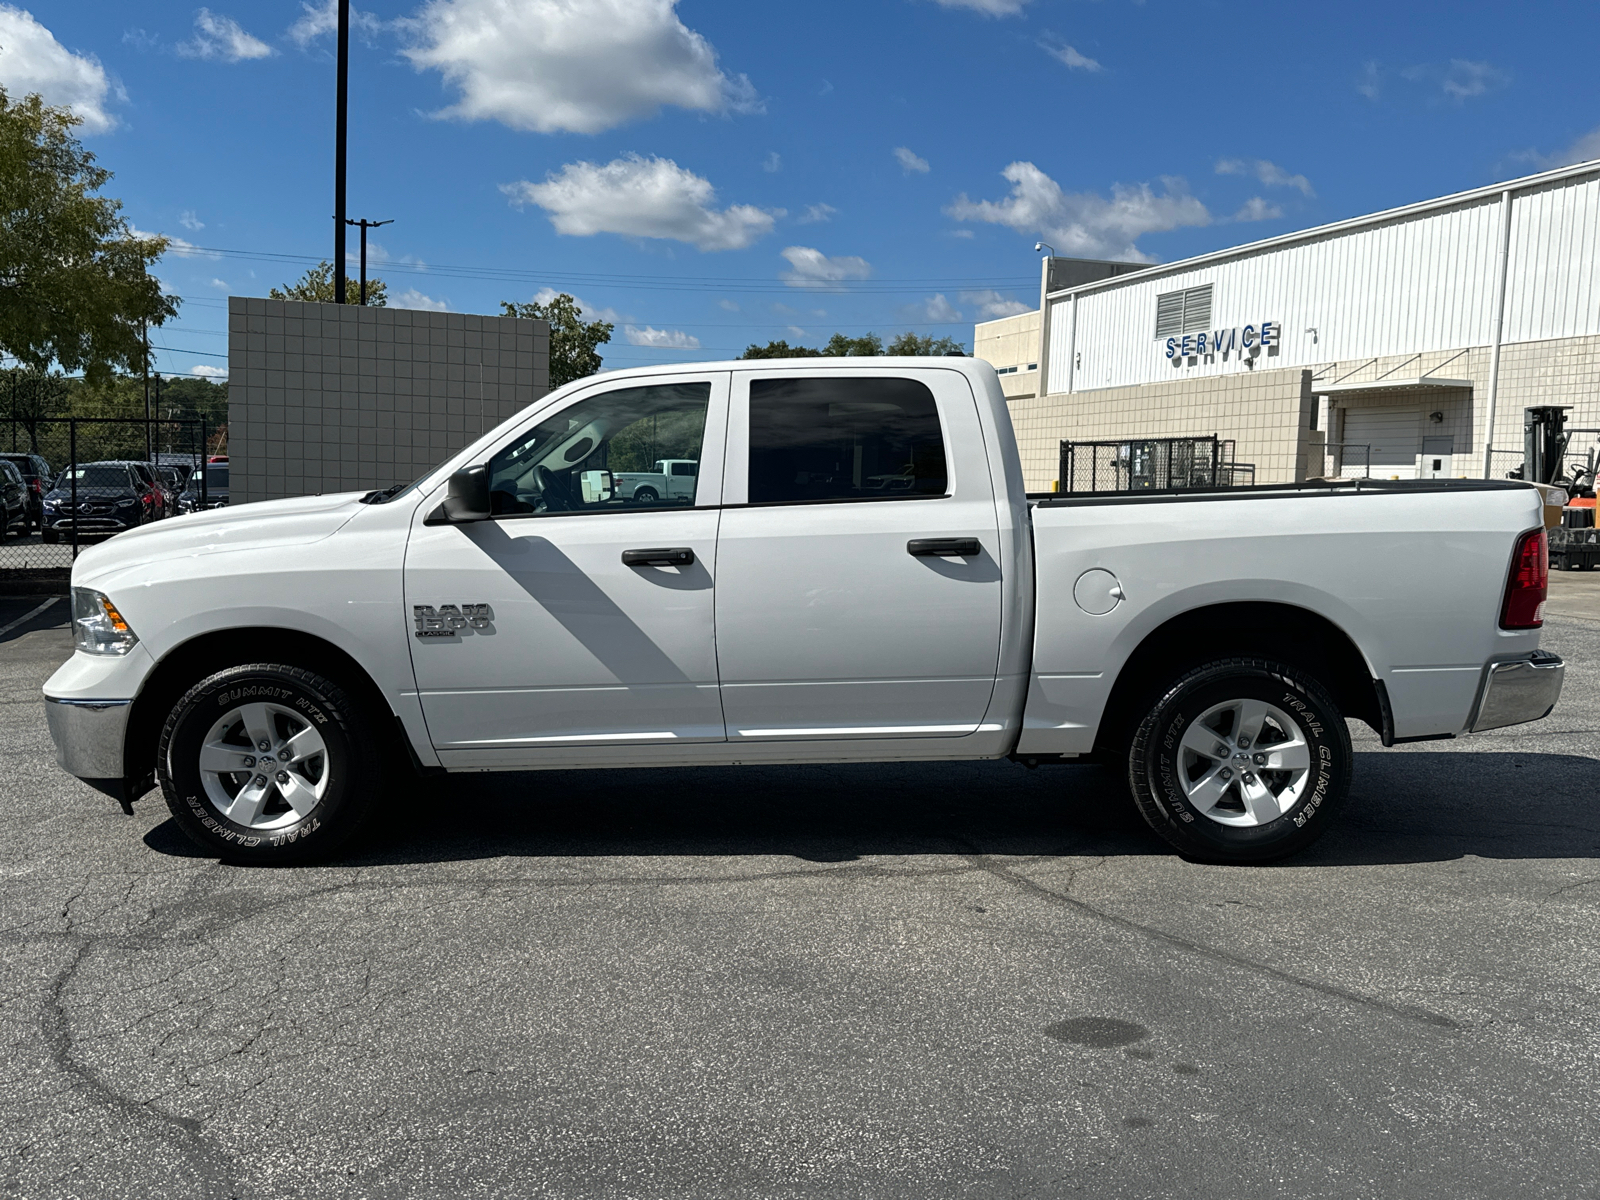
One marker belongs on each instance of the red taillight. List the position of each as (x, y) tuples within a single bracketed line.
[(1528, 584)]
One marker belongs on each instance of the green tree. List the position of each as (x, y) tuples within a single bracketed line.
[(925, 344), (868, 345), (316, 286), (780, 350), (75, 286), (573, 340)]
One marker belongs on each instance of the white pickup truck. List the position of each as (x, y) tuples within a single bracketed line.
[(859, 577), (670, 479)]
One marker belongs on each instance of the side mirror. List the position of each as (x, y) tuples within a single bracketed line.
[(468, 496), (596, 486)]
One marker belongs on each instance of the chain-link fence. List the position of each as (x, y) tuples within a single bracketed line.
[(70, 482), (1151, 464)]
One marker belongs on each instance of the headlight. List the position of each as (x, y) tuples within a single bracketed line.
[(97, 626), (126, 503), (52, 503)]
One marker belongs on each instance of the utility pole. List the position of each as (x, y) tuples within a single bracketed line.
[(366, 225), (147, 446), (340, 139)]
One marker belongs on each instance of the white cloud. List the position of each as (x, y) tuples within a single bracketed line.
[(175, 245), (222, 39), (936, 308), (1583, 149), (1257, 209), (989, 8), (992, 305), (795, 331), (589, 312), (220, 284), (189, 221), (1063, 53), (205, 372), (1370, 82), (773, 164), (1085, 223), (661, 339), (1460, 79), (317, 20), (727, 305), (813, 268), (411, 298), (645, 198), (817, 213), (31, 60), (965, 234), (1270, 174), (910, 162), (577, 66)]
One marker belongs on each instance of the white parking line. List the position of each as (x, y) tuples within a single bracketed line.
[(23, 620)]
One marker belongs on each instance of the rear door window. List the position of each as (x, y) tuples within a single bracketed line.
[(822, 439)]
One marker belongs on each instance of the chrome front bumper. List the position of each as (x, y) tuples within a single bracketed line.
[(89, 736), (1518, 690)]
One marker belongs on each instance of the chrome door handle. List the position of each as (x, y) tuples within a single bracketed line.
[(673, 556), (943, 547)]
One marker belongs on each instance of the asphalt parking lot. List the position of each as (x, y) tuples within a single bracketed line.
[(917, 981)]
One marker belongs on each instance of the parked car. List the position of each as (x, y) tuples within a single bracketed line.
[(670, 479), (216, 489), (14, 501), (37, 475), (510, 611), (171, 486), (111, 497)]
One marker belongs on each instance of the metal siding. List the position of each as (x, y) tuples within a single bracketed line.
[(1419, 283), (1552, 291)]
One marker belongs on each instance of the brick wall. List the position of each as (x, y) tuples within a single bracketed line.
[(1267, 413), (330, 398)]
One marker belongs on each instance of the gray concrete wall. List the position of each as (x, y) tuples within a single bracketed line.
[(331, 398)]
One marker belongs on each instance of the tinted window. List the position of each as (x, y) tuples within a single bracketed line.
[(843, 439), (13, 476), (97, 477), (216, 477), (563, 463)]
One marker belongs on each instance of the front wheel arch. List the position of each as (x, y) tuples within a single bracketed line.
[(208, 653)]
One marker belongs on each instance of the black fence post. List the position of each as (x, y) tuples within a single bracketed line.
[(204, 456), (72, 466)]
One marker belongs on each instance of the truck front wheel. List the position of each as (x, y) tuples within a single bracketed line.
[(267, 764), (1241, 760)]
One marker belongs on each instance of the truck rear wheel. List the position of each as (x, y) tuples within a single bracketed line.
[(1241, 760), (268, 764), (645, 495)]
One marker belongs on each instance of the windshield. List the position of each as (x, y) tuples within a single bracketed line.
[(95, 477), (216, 477)]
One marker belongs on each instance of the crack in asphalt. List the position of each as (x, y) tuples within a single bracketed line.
[(1421, 1016)]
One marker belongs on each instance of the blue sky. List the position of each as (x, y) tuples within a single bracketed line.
[(709, 174)]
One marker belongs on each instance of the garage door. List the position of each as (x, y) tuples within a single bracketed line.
[(1395, 435)]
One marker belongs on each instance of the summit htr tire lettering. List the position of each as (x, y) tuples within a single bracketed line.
[(268, 763)]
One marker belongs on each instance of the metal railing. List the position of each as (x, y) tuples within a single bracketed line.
[(1150, 464)]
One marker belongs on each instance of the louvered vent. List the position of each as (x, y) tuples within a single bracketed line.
[(1169, 315), (1183, 312)]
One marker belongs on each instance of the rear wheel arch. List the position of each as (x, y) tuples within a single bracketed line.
[(1271, 629), (204, 655)]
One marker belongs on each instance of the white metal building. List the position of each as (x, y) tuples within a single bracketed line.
[(1414, 337)]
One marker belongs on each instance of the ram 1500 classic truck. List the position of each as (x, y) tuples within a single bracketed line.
[(670, 479), (858, 576)]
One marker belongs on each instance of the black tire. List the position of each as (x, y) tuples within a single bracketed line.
[(1159, 764), (353, 760), (646, 495)]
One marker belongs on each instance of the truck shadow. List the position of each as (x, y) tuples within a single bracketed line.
[(1416, 806)]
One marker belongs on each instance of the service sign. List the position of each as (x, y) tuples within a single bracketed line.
[(1240, 339)]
